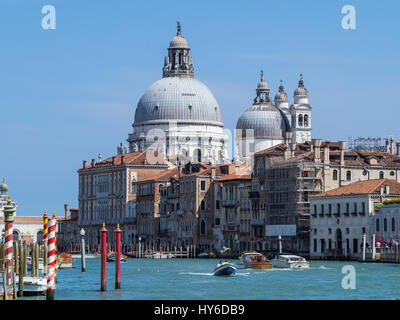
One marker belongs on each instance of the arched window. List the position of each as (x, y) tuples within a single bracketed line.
[(39, 236), (203, 227), (306, 120), (348, 175), (300, 122), (335, 174), (15, 235), (381, 175), (384, 225), (393, 225), (377, 225)]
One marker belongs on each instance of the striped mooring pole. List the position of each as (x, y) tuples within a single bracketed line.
[(45, 232), (51, 259), (8, 240), (55, 244), (103, 258), (118, 258)]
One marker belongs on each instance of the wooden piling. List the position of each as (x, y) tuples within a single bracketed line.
[(20, 292), (33, 261), (37, 259), (25, 260)]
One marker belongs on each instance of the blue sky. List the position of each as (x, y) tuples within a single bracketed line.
[(69, 94)]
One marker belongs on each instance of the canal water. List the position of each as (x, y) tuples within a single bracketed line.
[(189, 279)]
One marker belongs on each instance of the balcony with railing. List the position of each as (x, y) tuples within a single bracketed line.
[(229, 203)]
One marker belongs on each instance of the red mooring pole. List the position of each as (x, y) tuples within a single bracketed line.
[(118, 258), (103, 257)]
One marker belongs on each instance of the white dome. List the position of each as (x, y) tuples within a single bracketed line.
[(266, 120), (178, 42), (178, 98)]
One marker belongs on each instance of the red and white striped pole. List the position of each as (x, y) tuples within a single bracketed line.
[(118, 258), (51, 260), (45, 233), (103, 258), (8, 240), (55, 244)]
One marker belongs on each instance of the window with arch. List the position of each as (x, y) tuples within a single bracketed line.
[(348, 175), (306, 120), (335, 174), (377, 225), (384, 225), (300, 121), (393, 225), (381, 175), (203, 227)]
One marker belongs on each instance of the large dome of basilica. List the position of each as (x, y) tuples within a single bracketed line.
[(178, 98)]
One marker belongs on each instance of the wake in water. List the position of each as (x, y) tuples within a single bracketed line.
[(211, 274)]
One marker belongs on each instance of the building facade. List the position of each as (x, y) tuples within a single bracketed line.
[(341, 217)]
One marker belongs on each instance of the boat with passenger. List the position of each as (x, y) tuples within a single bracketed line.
[(111, 258), (287, 260), (255, 260), (225, 269)]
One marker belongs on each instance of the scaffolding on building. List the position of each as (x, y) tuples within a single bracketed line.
[(369, 144)]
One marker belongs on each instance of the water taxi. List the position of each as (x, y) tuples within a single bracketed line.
[(34, 285), (225, 269), (255, 260), (111, 258), (65, 261), (290, 261)]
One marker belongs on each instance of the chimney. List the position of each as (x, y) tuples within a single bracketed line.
[(122, 159), (213, 173), (66, 207), (317, 149), (391, 145), (387, 145), (84, 164), (141, 148), (113, 160), (387, 189), (292, 149), (342, 145), (398, 148), (93, 163), (381, 190), (326, 153)]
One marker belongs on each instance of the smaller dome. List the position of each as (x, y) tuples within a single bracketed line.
[(300, 90), (178, 42), (3, 187), (281, 96), (262, 84)]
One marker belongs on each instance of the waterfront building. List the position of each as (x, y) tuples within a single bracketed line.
[(178, 114), (286, 175), (233, 209), (386, 221), (340, 217), (107, 192), (266, 124)]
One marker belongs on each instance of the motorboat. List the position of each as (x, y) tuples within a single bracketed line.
[(206, 255), (290, 261), (162, 255), (87, 255), (111, 258), (255, 260), (33, 285), (225, 269)]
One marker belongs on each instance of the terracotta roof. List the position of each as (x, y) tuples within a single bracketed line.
[(235, 176), (364, 187), (163, 176), (144, 157)]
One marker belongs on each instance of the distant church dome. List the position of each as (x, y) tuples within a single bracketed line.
[(300, 90), (267, 121), (281, 96), (3, 188), (178, 42)]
